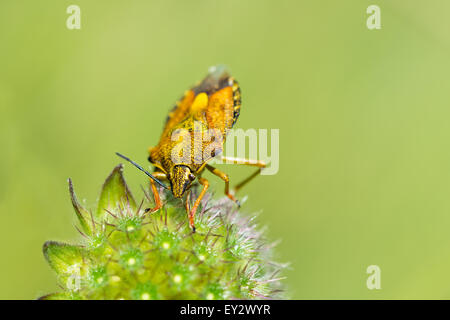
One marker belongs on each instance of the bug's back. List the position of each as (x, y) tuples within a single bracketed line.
[(212, 104)]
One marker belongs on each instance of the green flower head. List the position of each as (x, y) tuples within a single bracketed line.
[(126, 253)]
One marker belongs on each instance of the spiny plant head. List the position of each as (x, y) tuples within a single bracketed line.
[(128, 253)]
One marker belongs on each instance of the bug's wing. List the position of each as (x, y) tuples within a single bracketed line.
[(224, 101), (215, 102), (222, 111), (179, 112), (224, 107)]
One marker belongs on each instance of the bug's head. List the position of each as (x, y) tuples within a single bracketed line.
[(181, 178)]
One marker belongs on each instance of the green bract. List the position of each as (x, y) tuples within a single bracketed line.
[(129, 254)]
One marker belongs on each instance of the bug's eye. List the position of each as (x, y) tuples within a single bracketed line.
[(191, 177)]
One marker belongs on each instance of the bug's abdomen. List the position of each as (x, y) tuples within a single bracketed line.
[(236, 101)]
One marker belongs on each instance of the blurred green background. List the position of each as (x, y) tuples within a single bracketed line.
[(363, 116)]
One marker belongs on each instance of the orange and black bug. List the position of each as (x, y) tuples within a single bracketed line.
[(213, 104)]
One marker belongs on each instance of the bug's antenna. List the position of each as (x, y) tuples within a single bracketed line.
[(143, 170)]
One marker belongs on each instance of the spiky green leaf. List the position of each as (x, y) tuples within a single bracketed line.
[(115, 195), (81, 212), (64, 258)]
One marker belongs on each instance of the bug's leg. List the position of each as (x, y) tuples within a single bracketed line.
[(191, 216), (222, 175), (245, 181), (156, 197), (249, 162), (188, 200)]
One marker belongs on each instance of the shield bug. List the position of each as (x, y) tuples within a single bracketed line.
[(209, 109)]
